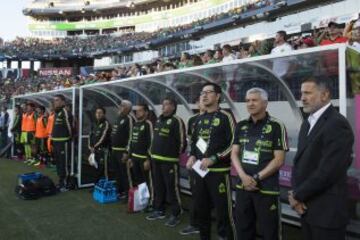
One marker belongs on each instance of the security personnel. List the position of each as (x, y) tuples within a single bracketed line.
[(99, 142), (41, 135), (28, 131), (61, 138), (169, 141), (258, 153), (193, 227), (139, 151), (120, 139), (211, 145)]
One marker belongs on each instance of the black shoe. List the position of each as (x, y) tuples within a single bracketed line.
[(172, 221), (156, 215), (189, 230), (148, 209)]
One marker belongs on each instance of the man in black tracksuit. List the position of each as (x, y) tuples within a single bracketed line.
[(99, 143), (258, 153), (211, 144), (193, 227), (120, 140), (139, 151), (61, 137), (16, 131), (168, 143)]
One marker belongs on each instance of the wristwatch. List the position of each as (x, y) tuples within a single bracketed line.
[(256, 177)]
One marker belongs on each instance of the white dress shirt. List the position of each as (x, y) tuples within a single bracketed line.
[(314, 117)]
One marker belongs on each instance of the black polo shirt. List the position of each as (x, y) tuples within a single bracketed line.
[(260, 139)]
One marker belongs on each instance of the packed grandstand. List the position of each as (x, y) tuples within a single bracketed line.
[(170, 46), (101, 55)]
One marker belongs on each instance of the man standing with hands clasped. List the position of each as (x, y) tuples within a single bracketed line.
[(323, 156), (258, 152)]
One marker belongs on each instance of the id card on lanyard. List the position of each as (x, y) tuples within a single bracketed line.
[(250, 157), (203, 145)]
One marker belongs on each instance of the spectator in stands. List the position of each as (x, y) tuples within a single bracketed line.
[(281, 66), (196, 60), (306, 42), (218, 56), (135, 71), (243, 52), (185, 61), (281, 46), (352, 32), (208, 57), (227, 53), (254, 49), (331, 35)]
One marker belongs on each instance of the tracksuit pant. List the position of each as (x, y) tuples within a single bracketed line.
[(166, 186), (119, 171), (139, 175), (27, 139), (192, 210), (62, 153), (214, 190), (101, 157), (256, 209)]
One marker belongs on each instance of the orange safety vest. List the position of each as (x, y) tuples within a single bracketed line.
[(29, 123), (40, 131), (23, 122), (50, 123)]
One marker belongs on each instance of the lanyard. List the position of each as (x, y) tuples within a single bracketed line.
[(262, 136)]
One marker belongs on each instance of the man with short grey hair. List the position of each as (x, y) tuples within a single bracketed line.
[(120, 140), (258, 152)]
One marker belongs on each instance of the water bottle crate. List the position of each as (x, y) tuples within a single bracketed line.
[(105, 192)]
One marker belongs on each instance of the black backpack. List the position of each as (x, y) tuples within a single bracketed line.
[(35, 188)]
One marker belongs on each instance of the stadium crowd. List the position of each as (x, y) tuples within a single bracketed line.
[(334, 33), (83, 46)]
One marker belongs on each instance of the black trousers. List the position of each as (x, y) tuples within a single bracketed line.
[(62, 152), (41, 147), (18, 147), (166, 186), (255, 208), (139, 175), (192, 210), (311, 232), (214, 190), (119, 171), (101, 157)]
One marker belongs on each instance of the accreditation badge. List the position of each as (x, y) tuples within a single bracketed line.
[(250, 157), (202, 145)]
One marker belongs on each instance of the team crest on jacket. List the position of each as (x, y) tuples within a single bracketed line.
[(216, 122), (122, 121), (142, 128), (168, 122), (267, 129)]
